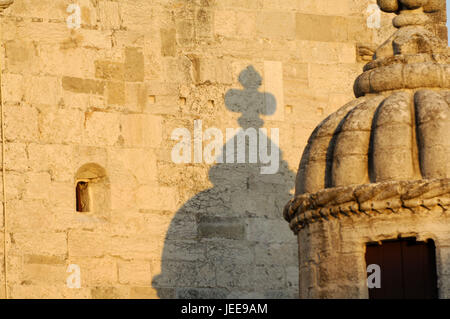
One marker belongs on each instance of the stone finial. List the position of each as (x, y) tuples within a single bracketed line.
[(4, 4), (414, 37), (410, 12), (401, 5)]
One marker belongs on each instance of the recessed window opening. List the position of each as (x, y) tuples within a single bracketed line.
[(82, 196), (92, 191)]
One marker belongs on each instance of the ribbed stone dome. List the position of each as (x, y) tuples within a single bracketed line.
[(398, 128)]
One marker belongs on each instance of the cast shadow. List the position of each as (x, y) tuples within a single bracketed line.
[(231, 241)]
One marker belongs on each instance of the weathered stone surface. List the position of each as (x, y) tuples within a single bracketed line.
[(377, 169), (111, 92)]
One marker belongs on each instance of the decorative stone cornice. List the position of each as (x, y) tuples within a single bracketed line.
[(4, 4), (368, 199)]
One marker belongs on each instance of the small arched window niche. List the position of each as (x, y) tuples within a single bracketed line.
[(92, 190)]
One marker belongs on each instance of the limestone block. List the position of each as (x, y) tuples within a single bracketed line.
[(186, 274), (113, 292), (43, 291), (275, 25), (444, 257), (337, 78), (138, 247), (238, 276), (204, 23), (187, 250), (280, 4), (168, 42), (95, 271), (152, 197), (266, 230), (14, 119), (61, 126), (139, 164), (75, 100), (42, 243), (358, 30), (101, 128), (15, 90), (151, 293), (37, 85), (321, 28), (89, 38), (141, 130), (41, 274), (235, 276), (21, 56), (76, 62), (17, 159), (211, 70), (37, 186), (221, 227), (62, 196), (44, 260), (325, 52), (245, 24), (79, 85), (135, 273), (201, 293), (134, 64), (219, 251), (292, 278), (230, 23), (109, 14), (123, 193), (87, 244), (297, 71), (29, 214), (237, 4), (136, 97), (57, 159), (183, 228), (116, 93), (270, 277), (46, 9), (281, 294), (109, 70), (137, 15), (277, 253), (43, 32)]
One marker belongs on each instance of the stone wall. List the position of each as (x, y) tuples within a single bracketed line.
[(111, 93), (340, 244)]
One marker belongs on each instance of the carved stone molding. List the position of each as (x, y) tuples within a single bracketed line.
[(4, 4), (370, 199)]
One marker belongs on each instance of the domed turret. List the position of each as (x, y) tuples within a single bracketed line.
[(383, 158)]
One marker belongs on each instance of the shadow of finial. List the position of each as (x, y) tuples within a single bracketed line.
[(250, 102)]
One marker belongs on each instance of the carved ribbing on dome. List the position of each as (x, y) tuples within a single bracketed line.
[(402, 136)]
